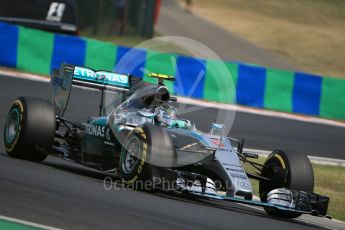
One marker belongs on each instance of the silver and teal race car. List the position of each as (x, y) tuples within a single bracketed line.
[(141, 137)]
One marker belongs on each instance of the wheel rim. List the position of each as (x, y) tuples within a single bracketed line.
[(131, 153), (12, 126)]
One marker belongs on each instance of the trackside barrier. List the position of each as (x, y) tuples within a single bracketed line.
[(39, 52)]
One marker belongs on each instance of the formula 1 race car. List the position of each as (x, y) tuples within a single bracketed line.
[(141, 136)]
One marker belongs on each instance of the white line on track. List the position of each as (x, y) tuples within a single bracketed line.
[(317, 224), (27, 223), (304, 220), (313, 159), (261, 112)]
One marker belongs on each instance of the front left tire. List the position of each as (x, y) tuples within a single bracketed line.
[(145, 149), (133, 166)]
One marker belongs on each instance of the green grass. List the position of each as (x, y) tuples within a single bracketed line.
[(309, 33), (329, 181)]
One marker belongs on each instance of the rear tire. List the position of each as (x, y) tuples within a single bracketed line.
[(30, 126), (297, 174)]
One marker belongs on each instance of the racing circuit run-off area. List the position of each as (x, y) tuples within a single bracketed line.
[(133, 117)]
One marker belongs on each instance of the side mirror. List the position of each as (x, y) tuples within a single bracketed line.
[(174, 99), (240, 146), (251, 155), (217, 129)]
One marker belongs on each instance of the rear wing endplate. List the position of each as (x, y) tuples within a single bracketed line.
[(62, 80)]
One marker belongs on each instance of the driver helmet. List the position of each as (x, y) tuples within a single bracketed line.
[(167, 114), (170, 111)]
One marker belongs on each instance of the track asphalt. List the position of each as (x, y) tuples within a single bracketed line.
[(61, 194), (174, 21)]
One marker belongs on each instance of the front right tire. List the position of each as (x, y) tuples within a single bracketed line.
[(289, 170)]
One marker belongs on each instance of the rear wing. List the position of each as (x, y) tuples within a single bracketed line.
[(90, 78), (62, 80)]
